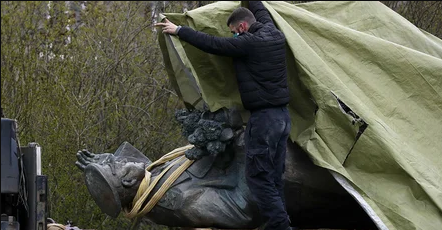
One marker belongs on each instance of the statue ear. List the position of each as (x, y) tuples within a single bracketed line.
[(127, 150)]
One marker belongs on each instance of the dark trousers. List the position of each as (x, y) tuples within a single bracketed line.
[(266, 137)]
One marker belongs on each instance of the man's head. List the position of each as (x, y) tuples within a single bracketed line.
[(240, 20)]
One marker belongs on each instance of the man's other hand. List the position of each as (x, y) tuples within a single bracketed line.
[(168, 27)]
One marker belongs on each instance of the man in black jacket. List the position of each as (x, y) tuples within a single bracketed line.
[(258, 51)]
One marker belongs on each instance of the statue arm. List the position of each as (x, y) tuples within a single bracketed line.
[(84, 158)]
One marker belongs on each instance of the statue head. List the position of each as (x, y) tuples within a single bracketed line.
[(114, 181)]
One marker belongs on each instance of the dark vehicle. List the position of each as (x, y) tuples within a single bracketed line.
[(24, 188)]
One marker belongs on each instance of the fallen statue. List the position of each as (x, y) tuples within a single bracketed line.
[(212, 191)]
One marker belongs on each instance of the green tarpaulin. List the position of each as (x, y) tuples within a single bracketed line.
[(351, 65)]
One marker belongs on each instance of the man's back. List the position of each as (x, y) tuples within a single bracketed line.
[(262, 74)]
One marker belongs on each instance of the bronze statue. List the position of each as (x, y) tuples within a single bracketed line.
[(212, 192)]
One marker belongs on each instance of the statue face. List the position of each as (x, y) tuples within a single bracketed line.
[(114, 182)]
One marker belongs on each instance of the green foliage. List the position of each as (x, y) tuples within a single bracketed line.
[(92, 84)]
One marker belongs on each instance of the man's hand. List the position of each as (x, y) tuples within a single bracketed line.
[(168, 27)]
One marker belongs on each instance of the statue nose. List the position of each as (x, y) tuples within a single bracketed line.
[(128, 183)]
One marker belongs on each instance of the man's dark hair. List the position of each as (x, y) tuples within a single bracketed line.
[(241, 14)]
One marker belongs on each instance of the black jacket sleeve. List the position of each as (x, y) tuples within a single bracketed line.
[(232, 47), (261, 13)]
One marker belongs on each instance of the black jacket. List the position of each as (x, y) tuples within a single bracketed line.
[(259, 59)]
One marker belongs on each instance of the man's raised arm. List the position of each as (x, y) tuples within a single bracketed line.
[(261, 13), (232, 47)]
